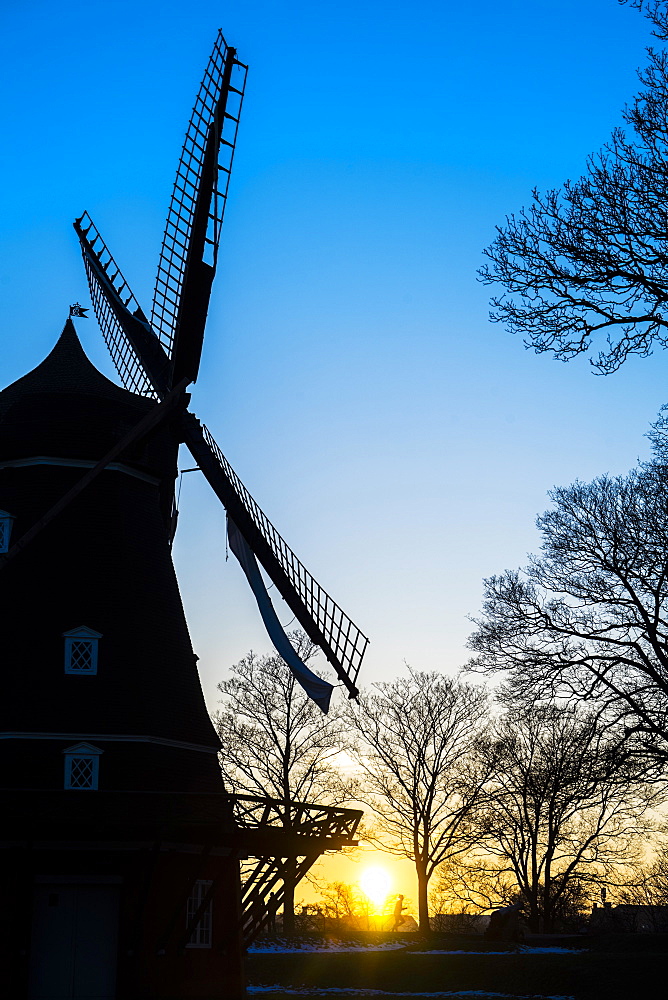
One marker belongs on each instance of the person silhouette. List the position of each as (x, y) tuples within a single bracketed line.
[(398, 909)]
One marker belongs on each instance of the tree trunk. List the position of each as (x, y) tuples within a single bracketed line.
[(423, 899), (548, 917), (548, 910), (289, 897), (532, 895)]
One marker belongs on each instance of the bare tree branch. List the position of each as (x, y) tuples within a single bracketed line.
[(588, 619), (276, 741), (585, 267), (416, 741)]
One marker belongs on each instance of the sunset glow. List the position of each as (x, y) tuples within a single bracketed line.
[(375, 883)]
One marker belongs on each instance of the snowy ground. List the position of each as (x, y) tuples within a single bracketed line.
[(519, 950), (336, 991), (278, 947), (273, 991)]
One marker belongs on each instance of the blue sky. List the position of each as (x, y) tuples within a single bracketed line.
[(400, 442)]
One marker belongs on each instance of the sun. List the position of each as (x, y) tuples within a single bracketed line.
[(375, 883)]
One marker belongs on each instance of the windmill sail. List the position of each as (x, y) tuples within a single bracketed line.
[(321, 617), (317, 689), (190, 245), (152, 357), (141, 363), (135, 350)]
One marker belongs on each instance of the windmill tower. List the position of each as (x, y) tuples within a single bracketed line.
[(121, 850)]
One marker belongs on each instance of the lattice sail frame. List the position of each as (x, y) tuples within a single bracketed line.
[(347, 642), (178, 230), (127, 364)]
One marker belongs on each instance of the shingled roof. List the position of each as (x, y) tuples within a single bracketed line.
[(67, 370), (66, 408)]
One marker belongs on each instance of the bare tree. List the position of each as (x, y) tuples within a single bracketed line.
[(474, 883), (276, 741), (589, 263), (341, 902), (566, 807), (588, 619), (644, 897), (416, 742)]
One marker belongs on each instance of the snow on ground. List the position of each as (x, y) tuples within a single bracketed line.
[(278, 947), (520, 950), (336, 991), (297, 947)]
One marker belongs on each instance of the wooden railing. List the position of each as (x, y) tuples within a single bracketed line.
[(303, 819)]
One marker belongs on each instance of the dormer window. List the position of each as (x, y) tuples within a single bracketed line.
[(82, 767), (81, 650), (6, 523)]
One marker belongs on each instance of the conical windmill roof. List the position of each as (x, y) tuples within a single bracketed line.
[(65, 407), (67, 370)]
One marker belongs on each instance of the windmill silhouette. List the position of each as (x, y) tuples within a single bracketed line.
[(161, 357), (121, 847)]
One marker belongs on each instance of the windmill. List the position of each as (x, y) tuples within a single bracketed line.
[(114, 868), (162, 355)]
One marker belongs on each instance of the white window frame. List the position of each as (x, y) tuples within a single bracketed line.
[(6, 524), (202, 933), (75, 637), (82, 752)]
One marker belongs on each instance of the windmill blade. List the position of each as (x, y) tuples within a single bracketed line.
[(135, 350), (190, 245), (316, 688), (322, 619)]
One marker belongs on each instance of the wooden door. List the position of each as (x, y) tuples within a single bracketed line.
[(74, 946)]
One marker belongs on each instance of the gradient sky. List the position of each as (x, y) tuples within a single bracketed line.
[(400, 442)]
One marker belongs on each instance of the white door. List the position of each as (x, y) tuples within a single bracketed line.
[(74, 946)]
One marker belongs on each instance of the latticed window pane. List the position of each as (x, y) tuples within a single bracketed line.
[(81, 655), (81, 772), (202, 931), (81, 647)]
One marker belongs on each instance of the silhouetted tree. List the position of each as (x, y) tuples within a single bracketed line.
[(481, 884), (276, 741), (589, 262), (342, 902), (588, 619), (473, 883), (416, 741), (644, 895), (566, 806)]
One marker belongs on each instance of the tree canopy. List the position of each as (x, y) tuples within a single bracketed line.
[(566, 803), (588, 618), (585, 267), (276, 741), (416, 743)]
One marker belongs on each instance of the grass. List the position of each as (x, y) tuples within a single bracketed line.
[(616, 968)]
